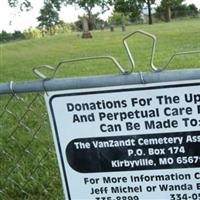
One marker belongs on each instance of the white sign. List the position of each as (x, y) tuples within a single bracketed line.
[(128, 142)]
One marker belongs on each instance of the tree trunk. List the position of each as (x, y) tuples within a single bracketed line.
[(86, 32), (90, 20), (168, 14), (149, 11)]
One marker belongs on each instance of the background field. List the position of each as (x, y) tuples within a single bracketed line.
[(28, 164), (17, 59)]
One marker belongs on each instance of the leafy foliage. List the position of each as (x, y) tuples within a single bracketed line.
[(133, 9), (166, 7), (129, 8), (87, 6), (62, 27), (95, 23), (22, 4), (117, 18), (33, 33), (49, 17), (177, 9), (6, 37)]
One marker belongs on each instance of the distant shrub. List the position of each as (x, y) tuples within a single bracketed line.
[(6, 37), (177, 11), (94, 23), (18, 35), (117, 19), (60, 27), (33, 33)]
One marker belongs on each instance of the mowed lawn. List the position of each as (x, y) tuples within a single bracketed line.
[(18, 58), (29, 168)]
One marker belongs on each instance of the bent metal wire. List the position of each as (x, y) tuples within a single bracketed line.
[(114, 60)]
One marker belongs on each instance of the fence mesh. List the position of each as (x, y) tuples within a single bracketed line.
[(28, 165)]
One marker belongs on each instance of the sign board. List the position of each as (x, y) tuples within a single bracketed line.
[(128, 142)]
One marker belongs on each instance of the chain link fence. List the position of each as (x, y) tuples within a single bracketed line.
[(28, 167)]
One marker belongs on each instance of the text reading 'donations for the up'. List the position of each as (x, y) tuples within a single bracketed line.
[(134, 113)]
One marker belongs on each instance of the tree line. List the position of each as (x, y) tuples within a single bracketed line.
[(129, 8), (123, 11), (30, 33)]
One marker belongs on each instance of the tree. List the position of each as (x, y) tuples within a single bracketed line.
[(166, 6), (128, 8), (117, 18), (149, 2), (193, 10), (184, 10), (88, 6), (49, 17), (22, 4), (133, 8)]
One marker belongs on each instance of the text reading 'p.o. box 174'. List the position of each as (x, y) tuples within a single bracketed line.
[(128, 142)]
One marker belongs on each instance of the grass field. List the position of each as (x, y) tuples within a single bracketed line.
[(18, 58), (28, 166)]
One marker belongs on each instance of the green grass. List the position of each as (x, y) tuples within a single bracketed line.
[(28, 166), (18, 58)]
